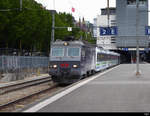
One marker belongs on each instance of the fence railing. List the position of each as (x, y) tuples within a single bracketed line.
[(20, 62)]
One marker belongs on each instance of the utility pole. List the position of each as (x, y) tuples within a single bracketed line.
[(108, 13), (108, 18), (20, 5), (20, 39), (53, 26), (53, 23), (137, 38)]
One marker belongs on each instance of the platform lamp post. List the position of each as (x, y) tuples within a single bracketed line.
[(137, 39)]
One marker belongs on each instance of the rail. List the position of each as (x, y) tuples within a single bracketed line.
[(29, 96), (4, 88)]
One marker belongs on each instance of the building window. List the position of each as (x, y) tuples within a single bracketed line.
[(113, 24), (113, 21), (113, 42), (142, 2), (131, 2), (113, 39)]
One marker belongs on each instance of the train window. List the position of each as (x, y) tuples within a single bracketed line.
[(83, 53), (57, 52), (131, 2), (142, 2), (100, 57), (74, 52)]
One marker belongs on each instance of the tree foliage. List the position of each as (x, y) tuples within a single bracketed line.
[(30, 28)]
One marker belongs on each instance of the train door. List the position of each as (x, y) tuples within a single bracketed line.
[(83, 60)]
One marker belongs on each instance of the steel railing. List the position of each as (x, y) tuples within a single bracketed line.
[(20, 62)]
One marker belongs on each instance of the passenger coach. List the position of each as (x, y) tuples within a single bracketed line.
[(71, 61)]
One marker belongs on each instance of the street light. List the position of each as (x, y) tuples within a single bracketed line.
[(137, 39)]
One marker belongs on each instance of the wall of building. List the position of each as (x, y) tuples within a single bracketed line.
[(126, 23), (107, 42)]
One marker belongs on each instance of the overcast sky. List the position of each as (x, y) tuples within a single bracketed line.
[(88, 9)]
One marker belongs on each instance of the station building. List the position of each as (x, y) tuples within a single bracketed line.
[(107, 41), (131, 24)]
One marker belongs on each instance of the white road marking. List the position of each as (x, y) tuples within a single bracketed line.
[(120, 82), (63, 93)]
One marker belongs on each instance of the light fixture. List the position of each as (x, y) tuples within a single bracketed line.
[(75, 66), (54, 66), (66, 44)]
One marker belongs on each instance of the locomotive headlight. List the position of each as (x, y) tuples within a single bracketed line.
[(54, 66), (66, 44), (50, 66), (75, 66)]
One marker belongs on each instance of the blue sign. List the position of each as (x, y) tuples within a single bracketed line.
[(147, 50), (147, 30), (108, 31), (125, 49)]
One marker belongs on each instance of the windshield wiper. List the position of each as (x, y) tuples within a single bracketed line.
[(59, 57), (72, 56)]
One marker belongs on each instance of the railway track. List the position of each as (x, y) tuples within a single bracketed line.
[(39, 88), (14, 93), (22, 101), (22, 84)]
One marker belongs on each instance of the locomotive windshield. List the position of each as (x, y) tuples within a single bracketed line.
[(74, 52), (57, 52)]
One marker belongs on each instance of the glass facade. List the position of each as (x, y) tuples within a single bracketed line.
[(127, 23)]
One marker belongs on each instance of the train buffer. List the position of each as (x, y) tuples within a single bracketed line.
[(115, 90)]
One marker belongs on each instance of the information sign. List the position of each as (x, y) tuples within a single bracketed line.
[(108, 31), (147, 30)]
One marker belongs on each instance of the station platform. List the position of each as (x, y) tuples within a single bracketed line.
[(115, 90)]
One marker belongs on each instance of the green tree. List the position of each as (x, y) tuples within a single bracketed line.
[(30, 29)]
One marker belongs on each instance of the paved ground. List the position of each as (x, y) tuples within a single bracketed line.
[(116, 91)]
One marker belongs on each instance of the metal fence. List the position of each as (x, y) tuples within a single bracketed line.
[(21, 62)]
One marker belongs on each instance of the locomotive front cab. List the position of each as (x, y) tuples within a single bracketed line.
[(65, 62)]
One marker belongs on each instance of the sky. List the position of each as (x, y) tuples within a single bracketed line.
[(89, 9)]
